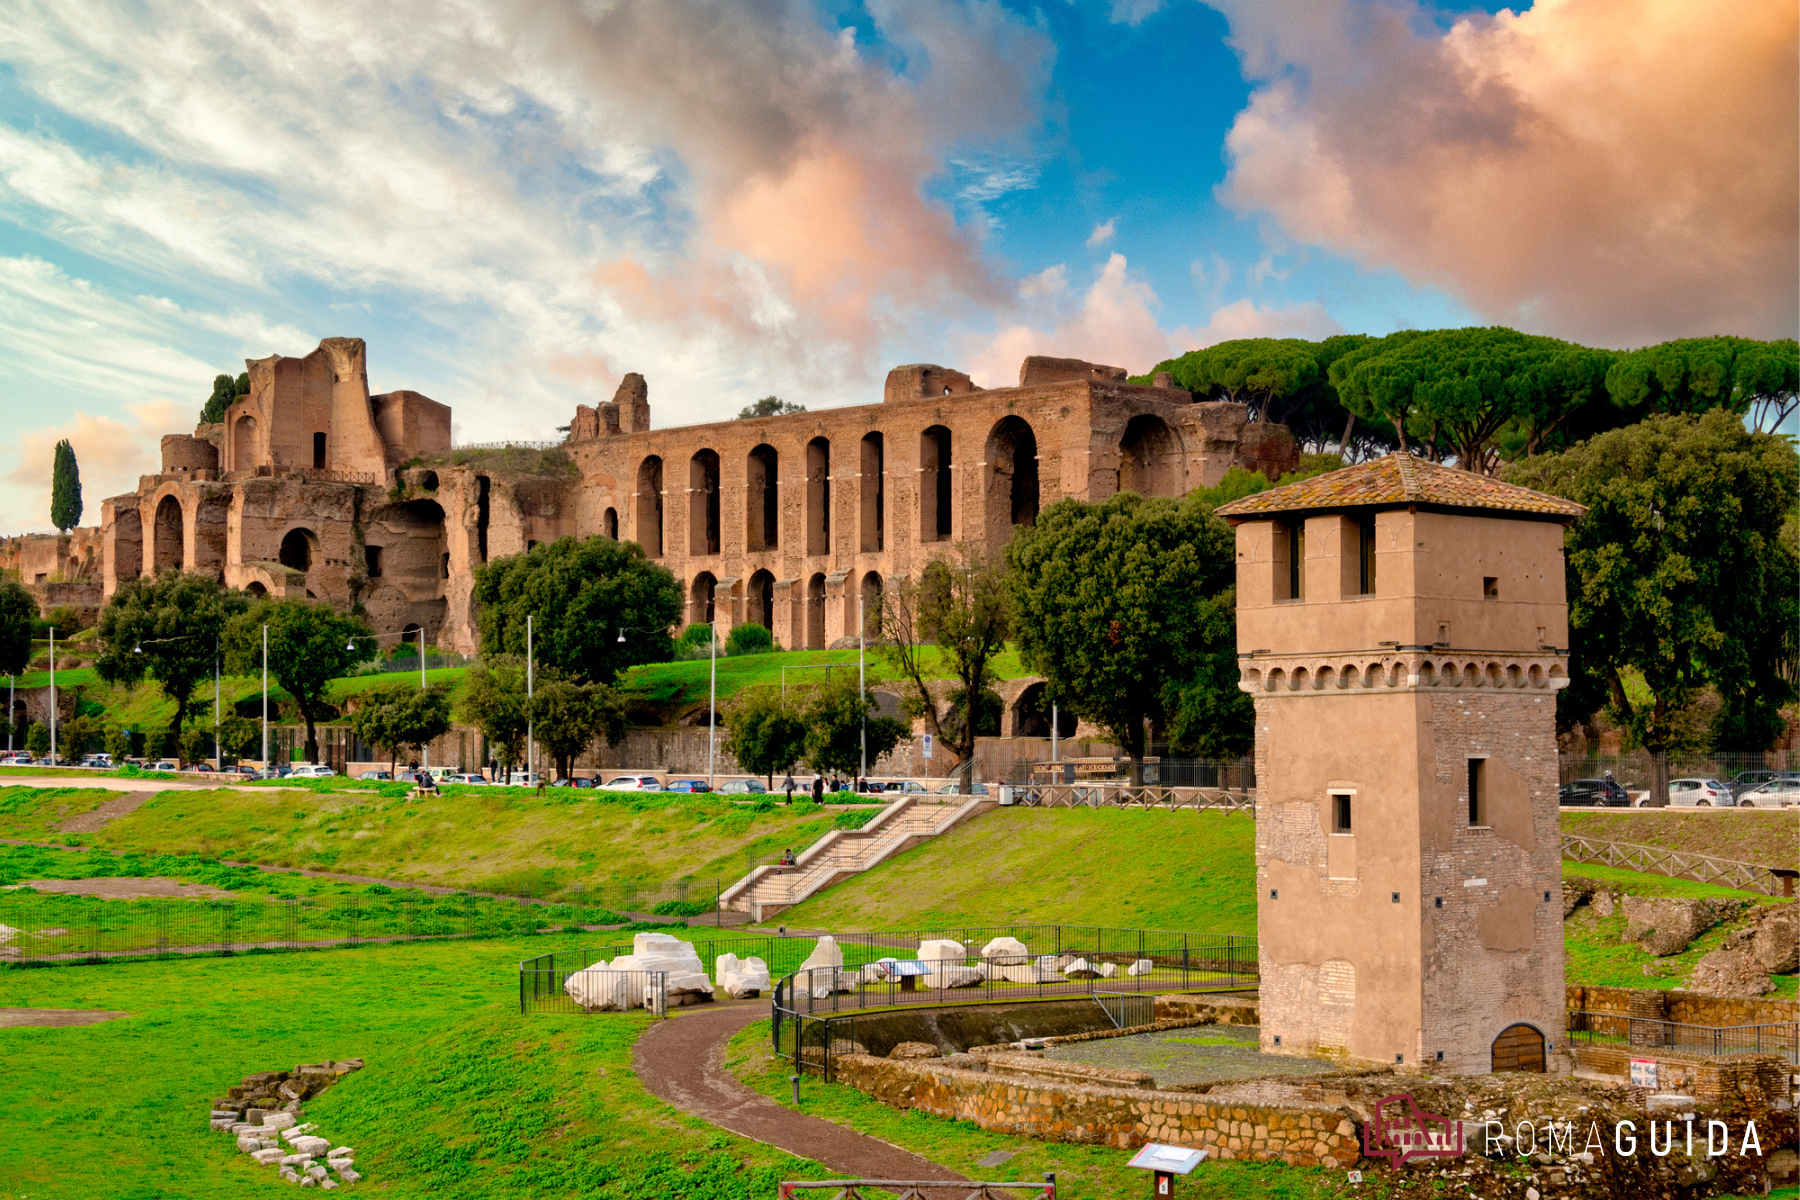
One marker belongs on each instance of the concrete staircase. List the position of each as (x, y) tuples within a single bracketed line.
[(841, 853)]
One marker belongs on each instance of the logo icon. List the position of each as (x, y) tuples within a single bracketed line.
[(1400, 1130)]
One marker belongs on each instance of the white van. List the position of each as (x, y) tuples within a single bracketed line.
[(313, 771)]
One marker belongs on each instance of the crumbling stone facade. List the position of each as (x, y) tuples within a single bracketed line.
[(310, 486)]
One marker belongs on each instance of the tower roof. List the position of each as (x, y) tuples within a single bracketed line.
[(1400, 479)]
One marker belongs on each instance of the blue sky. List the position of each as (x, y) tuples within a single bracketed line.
[(517, 204)]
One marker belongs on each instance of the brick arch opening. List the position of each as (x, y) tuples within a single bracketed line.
[(243, 444), (1147, 458), (1519, 1048), (1012, 478), (650, 506), (872, 477), (612, 524), (818, 496), (934, 485), (871, 604), (815, 613), (703, 503), (762, 600), (762, 498), (700, 598), (171, 535), (298, 549)]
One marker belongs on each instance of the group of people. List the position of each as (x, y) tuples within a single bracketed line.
[(822, 785)]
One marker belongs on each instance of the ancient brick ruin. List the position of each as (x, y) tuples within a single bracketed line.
[(313, 487)]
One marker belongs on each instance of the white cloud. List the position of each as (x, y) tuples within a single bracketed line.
[(1102, 233), (110, 452)]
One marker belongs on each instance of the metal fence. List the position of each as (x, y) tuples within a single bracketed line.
[(1126, 1010), (1659, 860), (1600, 1028), (544, 984), (1633, 770), (51, 930), (1123, 795)]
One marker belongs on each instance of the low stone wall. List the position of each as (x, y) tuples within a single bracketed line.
[(1688, 1008), (1733, 1082), (1302, 1135), (1209, 1009)]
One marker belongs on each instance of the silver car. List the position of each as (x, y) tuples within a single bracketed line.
[(633, 783), (1776, 793)]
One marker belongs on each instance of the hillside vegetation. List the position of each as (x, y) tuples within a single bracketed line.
[(1767, 836), (567, 845)]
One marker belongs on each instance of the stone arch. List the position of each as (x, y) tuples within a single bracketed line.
[(815, 612), (703, 503), (299, 548), (170, 535), (935, 492), (212, 517), (1515, 675), (1471, 675), (1277, 679), (255, 588), (871, 603), (650, 506), (1519, 1047), (818, 497), (700, 598), (1495, 677), (1253, 679), (1147, 458), (610, 523), (1556, 673), (1032, 712), (762, 498), (1300, 680), (1012, 478), (243, 443), (872, 481), (1536, 676), (1427, 675), (761, 597)]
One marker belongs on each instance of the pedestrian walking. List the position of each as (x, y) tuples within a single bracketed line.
[(788, 785), (818, 789)]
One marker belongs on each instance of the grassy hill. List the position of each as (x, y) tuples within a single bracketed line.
[(585, 844), (1769, 836)]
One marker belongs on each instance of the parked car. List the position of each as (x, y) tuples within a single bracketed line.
[(633, 783), (975, 789), (244, 769), (202, 767), (744, 787), (1699, 793), (464, 777), (526, 778), (1750, 781), (376, 775), (21, 759), (1776, 793), (904, 785), (1604, 792), (576, 781), (164, 764), (687, 785), (275, 772), (102, 761), (314, 771)]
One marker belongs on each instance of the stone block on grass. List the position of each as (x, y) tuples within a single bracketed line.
[(267, 1157)]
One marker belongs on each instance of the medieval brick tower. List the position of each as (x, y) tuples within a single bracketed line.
[(1404, 630)]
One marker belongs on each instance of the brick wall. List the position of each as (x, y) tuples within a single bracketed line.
[(1689, 1008), (1739, 1080), (1301, 1135)]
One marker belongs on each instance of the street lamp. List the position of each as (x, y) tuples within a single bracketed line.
[(712, 702), (425, 750)]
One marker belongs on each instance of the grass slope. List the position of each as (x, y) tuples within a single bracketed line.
[(590, 843), (1152, 870), (1771, 836), (462, 1097)]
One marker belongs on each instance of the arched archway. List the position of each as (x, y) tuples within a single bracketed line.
[(934, 485), (612, 524), (873, 500), (650, 506), (818, 496), (243, 444), (871, 604), (1519, 1048), (700, 598), (703, 503), (1012, 478), (1032, 714), (297, 549), (762, 499), (1147, 457), (171, 535), (256, 589), (815, 613), (762, 600)]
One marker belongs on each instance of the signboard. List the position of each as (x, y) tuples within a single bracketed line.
[(1643, 1072), (928, 745), (1169, 1160)]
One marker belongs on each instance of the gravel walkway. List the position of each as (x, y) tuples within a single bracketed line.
[(683, 1061), (1200, 1054)]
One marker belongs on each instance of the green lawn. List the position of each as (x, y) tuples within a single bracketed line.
[(461, 1098), (589, 844), (677, 683), (1771, 837), (1150, 870)]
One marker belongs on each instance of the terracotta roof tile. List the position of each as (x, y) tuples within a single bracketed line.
[(1401, 479)]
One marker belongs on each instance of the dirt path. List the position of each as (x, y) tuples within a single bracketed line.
[(683, 1061), (14, 1018)]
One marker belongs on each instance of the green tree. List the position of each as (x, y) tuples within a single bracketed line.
[(837, 714), (1123, 605), (65, 488), (1281, 380), (400, 716), (1678, 571), (583, 594), (962, 606), (310, 644), (37, 739), (1754, 379), (194, 744), (1463, 393), (18, 615), (769, 406), (77, 734), (168, 628), (117, 743), (764, 733), (567, 718), (494, 701), (750, 638), (240, 737), (226, 392)]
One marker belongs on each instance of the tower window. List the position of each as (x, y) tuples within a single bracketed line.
[(372, 558), (1340, 813), (1490, 587), (1477, 792), (1296, 548), (1366, 542), (319, 450)]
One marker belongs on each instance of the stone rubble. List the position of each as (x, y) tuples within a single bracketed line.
[(264, 1112), (742, 978), (620, 985)]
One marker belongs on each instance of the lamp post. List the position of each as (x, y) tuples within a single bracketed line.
[(425, 749), (530, 717), (265, 715), (53, 694)]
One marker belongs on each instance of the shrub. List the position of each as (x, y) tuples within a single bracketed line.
[(750, 639)]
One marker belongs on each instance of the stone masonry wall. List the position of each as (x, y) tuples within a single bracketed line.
[(1301, 1135), (1688, 1008), (1733, 1081)]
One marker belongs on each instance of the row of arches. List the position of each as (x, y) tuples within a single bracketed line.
[(1012, 493), (759, 605), (1446, 674)]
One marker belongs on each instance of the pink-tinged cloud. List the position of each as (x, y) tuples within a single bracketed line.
[(111, 453), (1619, 171), (1115, 322)]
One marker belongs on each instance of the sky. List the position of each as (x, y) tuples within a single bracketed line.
[(514, 202)]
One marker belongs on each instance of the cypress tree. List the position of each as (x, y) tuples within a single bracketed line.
[(65, 488)]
